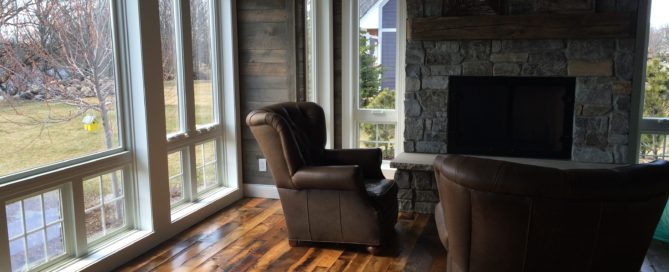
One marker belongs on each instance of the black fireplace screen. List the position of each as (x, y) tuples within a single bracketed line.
[(511, 116)]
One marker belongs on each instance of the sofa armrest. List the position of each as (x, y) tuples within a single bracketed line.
[(369, 159), (334, 177)]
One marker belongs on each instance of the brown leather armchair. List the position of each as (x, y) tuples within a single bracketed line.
[(336, 196), (503, 216)]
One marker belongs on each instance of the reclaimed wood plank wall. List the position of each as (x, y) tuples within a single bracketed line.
[(267, 67)]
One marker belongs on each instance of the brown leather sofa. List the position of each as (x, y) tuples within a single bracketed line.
[(336, 196), (502, 216)]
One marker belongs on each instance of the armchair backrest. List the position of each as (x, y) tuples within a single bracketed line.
[(503, 216), (291, 135)]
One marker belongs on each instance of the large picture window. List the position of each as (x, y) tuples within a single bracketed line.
[(58, 88)]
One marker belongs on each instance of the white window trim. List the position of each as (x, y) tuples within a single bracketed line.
[(322, 73), (638, 124), (350, 73)]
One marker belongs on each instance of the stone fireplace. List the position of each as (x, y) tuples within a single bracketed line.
[(601, 69)]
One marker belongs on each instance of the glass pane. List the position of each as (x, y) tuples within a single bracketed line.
[(378, 136), (656, 95), (200, 179), (205, 161), (59, 103), (169, 50), (202, 76), (175, 176), (55, 244), (92, 193), (104, 212), (36, 246), (17, 252), (210, 175), (377, 55), (14, 219), (653, 147), (32, 210), (112, 186), (114, 215), (52, 209), (94, 224)]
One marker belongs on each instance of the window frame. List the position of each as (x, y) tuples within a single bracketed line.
[(193, 135), (638, 123), (352, 114), (322, 59)]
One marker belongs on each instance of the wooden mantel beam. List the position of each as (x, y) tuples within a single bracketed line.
[(527, 27)]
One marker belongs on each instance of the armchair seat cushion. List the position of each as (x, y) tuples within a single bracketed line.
[(378, 187)]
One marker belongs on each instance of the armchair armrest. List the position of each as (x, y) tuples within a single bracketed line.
[(334, 177), (369, 159)]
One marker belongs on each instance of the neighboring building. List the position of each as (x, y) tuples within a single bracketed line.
[(378, 19)]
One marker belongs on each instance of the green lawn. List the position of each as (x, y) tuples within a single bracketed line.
[(37, 133)]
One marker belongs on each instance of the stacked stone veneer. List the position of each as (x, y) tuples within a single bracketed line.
[(417, 188), (603, 70)]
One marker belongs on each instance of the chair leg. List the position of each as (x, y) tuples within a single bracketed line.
[(293, 243), (374, 250)]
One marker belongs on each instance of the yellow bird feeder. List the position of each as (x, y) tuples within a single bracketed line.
[(91, 123)]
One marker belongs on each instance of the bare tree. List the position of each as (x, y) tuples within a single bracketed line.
[(86, 48)]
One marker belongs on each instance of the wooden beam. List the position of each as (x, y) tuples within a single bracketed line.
[(539, 26)]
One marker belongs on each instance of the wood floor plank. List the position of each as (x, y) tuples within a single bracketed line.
[(246, 258), (408, 241), (251, 235), (166, 251), (307, 259), (342, 262), (208, 248)]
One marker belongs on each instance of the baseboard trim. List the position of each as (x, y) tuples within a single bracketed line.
[(261, 190)]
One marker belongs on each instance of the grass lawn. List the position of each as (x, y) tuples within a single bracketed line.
[(37, 133)]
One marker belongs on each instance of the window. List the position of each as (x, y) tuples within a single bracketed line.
[(85, 108), (654, 126), (195, 160), (35, 227), (58, 91), (373, 49), (104, 204)]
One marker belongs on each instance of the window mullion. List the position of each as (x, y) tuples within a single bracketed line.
[(78, 219), (190, 183), (185, 64)]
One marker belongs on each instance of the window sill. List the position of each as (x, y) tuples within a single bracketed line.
[(183, 210), (102, 251)]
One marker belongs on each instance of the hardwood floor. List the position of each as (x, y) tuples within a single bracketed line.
[(251, 236)]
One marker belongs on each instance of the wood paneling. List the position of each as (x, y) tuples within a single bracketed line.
[(266, 37), (539, 26), (251, 235)]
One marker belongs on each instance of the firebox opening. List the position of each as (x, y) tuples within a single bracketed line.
[(511, 116)]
